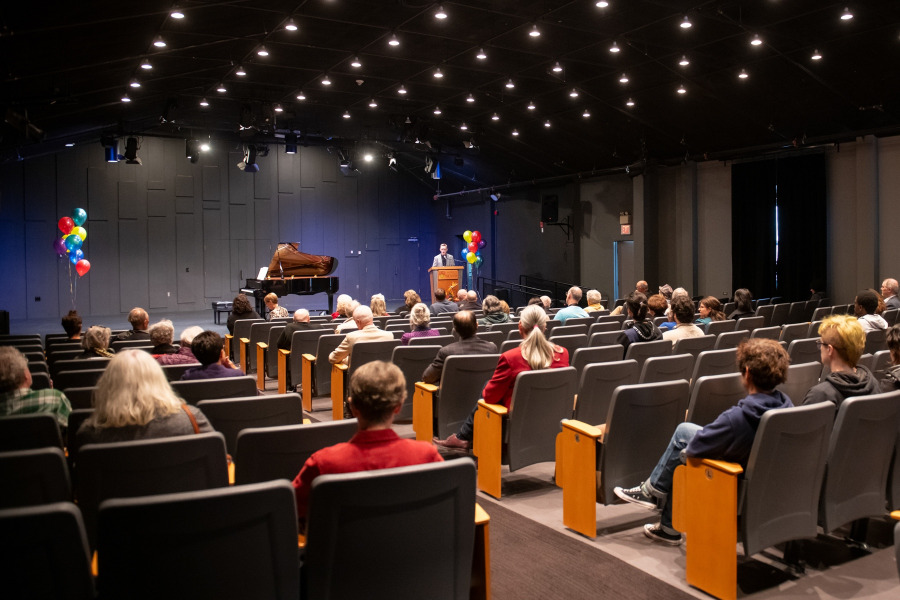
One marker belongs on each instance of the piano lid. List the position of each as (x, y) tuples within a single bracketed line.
[(291, 262)]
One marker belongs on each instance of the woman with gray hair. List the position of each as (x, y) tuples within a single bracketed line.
[(184, 355), (419, 324), (162, 335), (95, 343), (493, 311)]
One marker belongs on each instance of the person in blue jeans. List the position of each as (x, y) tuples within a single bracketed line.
[(763, 364)]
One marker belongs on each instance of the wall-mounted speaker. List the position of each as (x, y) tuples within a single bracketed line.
[(550, 209)]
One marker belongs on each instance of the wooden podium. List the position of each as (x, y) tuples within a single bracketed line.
[(448, 279)]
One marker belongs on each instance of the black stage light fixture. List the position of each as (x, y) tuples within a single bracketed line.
[(131, 148), (110, 148), (248, 165), (290, 143), (192, 150)]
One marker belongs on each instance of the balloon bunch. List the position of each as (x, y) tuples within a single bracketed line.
[(71, 241), (472, 252)]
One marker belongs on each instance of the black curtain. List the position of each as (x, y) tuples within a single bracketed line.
[(802, 225), (753, 228)]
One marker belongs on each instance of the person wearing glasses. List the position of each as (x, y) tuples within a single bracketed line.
[(841, 344)]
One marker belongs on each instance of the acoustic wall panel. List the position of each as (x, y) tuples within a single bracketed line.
[(240, 183), (161, 264), (40, 189), (188, 258), (160, 204), (311, 167), (102, 250), (184, 186), (262, 180), (133, 261), (212, 188), (132, 200), (288, 171), (289, 217), (314, 210), (102, 199), (41, 293), (215, 255)]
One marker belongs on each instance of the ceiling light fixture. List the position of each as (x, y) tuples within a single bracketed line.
[(278, 108), (125, 98), (440, 13), (573, 93), (586, 113), (240, 72), (437, 73), (535, 32), (159, 42), (481, 55), (373, 103), (614, 48), (393, 41), (301, 96), (681, 89), (684, 61), (464, 127), (70, 144), (846, 15), (756, 41), (515, 132), (509, 84), (629, 102), (401, 90), (326, 80), (262, 51), (368, 157), (346, 114), (557, 68), (495, 117), (531, 105), (146, 65), (203, 102), (291, 25), (437, 110), (176, 14), (816, 55), (355, 62), (743, 74), (602, 4), (623, 78), (547, 123), (221, 88), (135, 83), (686, 23), (205, 147)]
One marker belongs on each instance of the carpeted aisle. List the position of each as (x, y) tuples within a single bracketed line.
[(530, 560)]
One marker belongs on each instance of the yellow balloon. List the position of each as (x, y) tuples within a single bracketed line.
[(471, 257), (80, 232), (467, 236)]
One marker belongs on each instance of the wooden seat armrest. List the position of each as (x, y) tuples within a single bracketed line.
[(427, 387), (262, 345), (340, 367), (245, 340), (498, 409), (310, 357), (895, 514), (481, 516), (423, 410), (729, 468), (284, 352), (229, 336), (282, 367), (582, 428)]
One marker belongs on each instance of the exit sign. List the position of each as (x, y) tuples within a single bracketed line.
[(625, 229)]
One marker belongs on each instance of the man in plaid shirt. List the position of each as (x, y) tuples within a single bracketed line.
[(16, 395)]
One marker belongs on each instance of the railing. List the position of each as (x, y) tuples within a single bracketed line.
[(558, 289), (515, 294)]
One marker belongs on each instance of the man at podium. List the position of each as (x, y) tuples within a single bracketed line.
[(443, 259)]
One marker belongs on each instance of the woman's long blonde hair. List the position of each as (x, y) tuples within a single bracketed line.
[(536, 349), (133, 390)]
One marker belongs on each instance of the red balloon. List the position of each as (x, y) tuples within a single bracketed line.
[(473, 247), (66, 224), (82, 266), (476, 236)]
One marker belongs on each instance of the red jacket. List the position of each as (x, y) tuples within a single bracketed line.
[(500, 388)]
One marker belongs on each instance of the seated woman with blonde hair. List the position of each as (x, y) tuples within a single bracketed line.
[(95, 343), (273, 311), (133, 401), (379, 309), (410, 299), (419, 324)]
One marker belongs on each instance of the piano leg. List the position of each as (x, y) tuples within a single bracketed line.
[(330, 303)]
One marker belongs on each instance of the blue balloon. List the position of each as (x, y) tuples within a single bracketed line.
[(478, 254), (464, 253), (74, 257), (73, 243)]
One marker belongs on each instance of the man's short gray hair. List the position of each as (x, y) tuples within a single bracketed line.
[(13, 366), (301, 315)]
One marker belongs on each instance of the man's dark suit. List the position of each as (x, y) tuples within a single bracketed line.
[(284, 342), (469, 305), (472, 345)]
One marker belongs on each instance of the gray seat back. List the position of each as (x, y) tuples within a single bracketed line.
[(325, 346), (712, 395), (78, 378), (731, 339), (876, 340), (820, 313), (794, 331), (174, 372), (781, 496), (667, 368), (495, 337), (570, 342), (768, 333), (119, 345), (412, 361), (32, 477), (229, 417), (638, 429), (695, 345), (241, 330), (859, 459), (586, 356), (540, 400), (80, 397), (717, 327), (272, 349), (510, 344), (504, 327), (641, 351), (259, 332), (193, 391), (414, 507), (304, 342), (880, 362), (462, 382), (805, 350), (77, 364), (596, 386), (715, 362), (567, 329), (266, 453), (765, 311), (890, 315), (45, 553), (440, 340), (605, 338), (254, 526), (33, 430), (780, 314), (797, 312), (364, 352), (76, 418), (750, 323), (41, 381), (605, 327), (800, 378)]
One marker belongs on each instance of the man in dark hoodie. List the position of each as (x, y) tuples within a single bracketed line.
[(763, 365), (891, 379), (842, 343)]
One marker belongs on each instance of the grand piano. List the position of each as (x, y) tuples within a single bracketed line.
[(294, 272)]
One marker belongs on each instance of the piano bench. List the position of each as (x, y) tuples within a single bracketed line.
[(218, 309)]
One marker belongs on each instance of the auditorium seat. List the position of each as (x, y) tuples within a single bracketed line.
[(510, 344), (33, 477), (229, 417), (568, 329), (731, 339), (794, 331), (780, 314), (715, 362), (241, 330), (412, 362), (801, 377), (440, 340), (259, 333), (766, 311), (667, 368), (750, 323), (805, 350), (767, 333), (604, 327), (193, 391), (290, 362), (570, 342), (317, 368), (585, 356), (712, 395), (820, 313), (495, 337), (361, 352), (876, 340), (596, 386), (695, 345), (717, 327), (28, 431)]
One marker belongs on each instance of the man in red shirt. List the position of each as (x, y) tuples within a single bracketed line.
[(377, 392)]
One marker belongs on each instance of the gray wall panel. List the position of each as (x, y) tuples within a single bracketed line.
[(289, 220), (240, 184), (262, 180), (41, 293), (288, 170), (313, 215), (153, 154), (40, 189), (215, 255), (212, 189), (133, 261), (132, 200), (311, 167), (161, 266), (160, 204), (188, 259), (184, 186), (102, 250), (102, 197)]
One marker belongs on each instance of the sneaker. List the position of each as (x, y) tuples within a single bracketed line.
[(453, 442), (636, 495), (657, 534)]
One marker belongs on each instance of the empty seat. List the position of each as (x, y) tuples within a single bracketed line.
[(769, 333), (715, 362), (765, 311), (596, 386), (876, 340), (76, 379), (412, 362), (800, 378), (567, 329), (434, 340), (495, 337), (750, 323), (695, 345), (231, 416), (794, 331), (570, 342), (780, 314), (193, 391), (667, 368), (805, 350), (731, 339), (32, 477), (641, 351), (24, 432), (585, 356), (717, 327)]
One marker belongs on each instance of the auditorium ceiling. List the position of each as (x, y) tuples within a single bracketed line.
[(508, 117)]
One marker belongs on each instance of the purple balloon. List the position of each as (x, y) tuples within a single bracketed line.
[(59, 246), (481, 244)]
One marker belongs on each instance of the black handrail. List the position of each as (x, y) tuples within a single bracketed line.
[(515, 294), (559, 289)]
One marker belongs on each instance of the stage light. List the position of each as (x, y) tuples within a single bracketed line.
[(301, 96), (131, 148), (481, 54), (515, 132), (204, 102), (557, 68), (393, 41), (355, 63), (291, 25), (373, 103), (470, 98), (135, 83), (248, 165), (629, 102), (531, 105), (346, 114), (547, 123), (240, 72), (290, 143), (623, 78), (586, 113), (146, 65), (463, 127), (437, 73), (614, 48), (440, 13), (278, 108), (192, 150), (263, 51), (221, 88), (756, 41), (686, 23), (125, 98), (846, 15), (401, 90), (509, 84), (535, 32), (743, 74), (684, 61), (495, 117), (159, 42), (816, 55), (176, 14), (326, 80)]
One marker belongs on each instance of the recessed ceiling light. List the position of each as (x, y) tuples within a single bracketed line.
[(510, 84), (355, 62), (326, 80), (437, 73), (685, 23), (221, 88), (135, 83), (290, 25), (586, 113), (535, 32), (614, 48), (204, 147), (146, 65), (573, 93), (470, 98), (602, 4), (481, 54), (557, 68), (240, 72), (368, 157), (464, 127), (547, 123), (263, 51), (346, 114), (204, 102), (846, 15), (176, 14), (629, 102), (301, 95), (684, 61), (69, 144), (278, 108), (755, 41), (623, 78), (125, 98), (159, 42), (681, 89), (515, 132), (401, 90), (531, 105), (816, 55), (440, 13), (373, 103), (743, 74), (495, 117), (393, 41), (437, 110)]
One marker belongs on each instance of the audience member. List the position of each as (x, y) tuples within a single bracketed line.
[(71, 323), (471, 301), (572, 310), (763, 365), (419, 324), (349, 324), (95, 343), (466, 326), (866, 308), (683, 310), (301, 322), (133, 401), (184, 355), (666, 291), (366, 331), (342, 308), (209, 348), (162, 335), (441, 304), (378, 306), (410, 299), (658, 307), (593, 301), (889, 290), (140, 321), (546, 302), (817, 290), (377, 391), (461, 296), (504, 306), (710, 310), (891, 379), (640, 287), (16, 395), (842, 343), (641, 329), (743, 304), (536, 301), (535, 353), (240, 309), (273, 311), (493, 312)]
